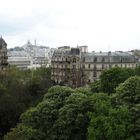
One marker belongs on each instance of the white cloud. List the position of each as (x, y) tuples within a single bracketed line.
[(100, 24)]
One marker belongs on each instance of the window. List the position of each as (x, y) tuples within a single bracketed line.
[(73, 66), (83, 59), (103, 59), (83, 66), (94, 74), (121, 59), (95, 67), (74, 60), (89, 66), (95, 59), (103, 66)]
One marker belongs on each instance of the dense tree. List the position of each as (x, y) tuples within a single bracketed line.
[(61, 115), (95, 87), (137, 71), (70, 114), (111, 78), (128, 93), (20, 89), (108, 123)]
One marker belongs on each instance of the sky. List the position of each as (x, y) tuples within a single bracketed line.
[(102, 25)]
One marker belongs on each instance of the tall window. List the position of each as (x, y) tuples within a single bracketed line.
[(89, 66), (95, 59), (83, 66), (94, 74), (103, 66), (103, 59)]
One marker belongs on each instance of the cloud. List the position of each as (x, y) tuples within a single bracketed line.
[(102, 25)]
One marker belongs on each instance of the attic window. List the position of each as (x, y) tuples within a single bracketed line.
[(103, 59), (95, 59)]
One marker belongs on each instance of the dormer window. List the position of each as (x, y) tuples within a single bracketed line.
[(95, 59)]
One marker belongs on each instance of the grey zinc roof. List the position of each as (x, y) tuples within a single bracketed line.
[(108, 57), (67, 51)]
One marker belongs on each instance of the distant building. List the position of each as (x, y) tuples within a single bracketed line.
[(3, 54), (39, 56), (76, 67), (20, 62)]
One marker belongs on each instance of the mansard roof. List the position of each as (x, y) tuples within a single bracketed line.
[(108, 56), (66, 51)]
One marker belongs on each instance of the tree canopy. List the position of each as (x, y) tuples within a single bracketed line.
[(20, 89), (111, 78)]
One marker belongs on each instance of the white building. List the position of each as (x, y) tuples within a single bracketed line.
[(31, 55)]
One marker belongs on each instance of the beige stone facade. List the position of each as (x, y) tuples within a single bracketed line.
[(3, 54), (76, 67), (66, 66)]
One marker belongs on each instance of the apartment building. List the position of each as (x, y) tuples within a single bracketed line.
[(76, 67)]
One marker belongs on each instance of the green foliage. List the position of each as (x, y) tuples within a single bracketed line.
[(111, 78), (137, 71), (22, 132), (73, 114), (61, 115), (106, 122), (115, 124), (96, 87), (129, 93), (20, 89)]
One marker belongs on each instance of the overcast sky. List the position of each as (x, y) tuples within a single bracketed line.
[(103, 25)]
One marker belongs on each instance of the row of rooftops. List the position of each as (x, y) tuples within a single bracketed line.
[(117, 56)]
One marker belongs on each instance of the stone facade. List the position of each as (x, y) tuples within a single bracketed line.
[(3, 54), (76, 67), (95, 63), (66, 66)]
